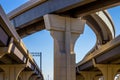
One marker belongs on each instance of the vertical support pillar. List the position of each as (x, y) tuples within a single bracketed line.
[(12, 71), (89, 75), (33, 77), (1, 75), (97, 77), (65, 31), (38, 79), (109, 71), (25, 75), (79, 77)]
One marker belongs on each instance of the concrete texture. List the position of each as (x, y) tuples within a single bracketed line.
[(65, 31)]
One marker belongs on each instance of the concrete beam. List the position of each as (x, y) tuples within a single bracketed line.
[(63, 7), (27, 6), (3, 37), (7, 26)]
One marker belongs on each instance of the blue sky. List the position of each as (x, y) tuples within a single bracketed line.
[(43, 42)]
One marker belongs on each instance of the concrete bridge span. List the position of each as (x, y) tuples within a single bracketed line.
[(102, 62), (24, 17), (16, 63), (100, 22), (61, 22)]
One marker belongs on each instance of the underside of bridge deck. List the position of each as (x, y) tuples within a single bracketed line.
[(15, 60), (24, 19)]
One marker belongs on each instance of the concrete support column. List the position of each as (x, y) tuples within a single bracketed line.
[(65, 31), (38, 79), (25, 75), (2, 75), (12, 71), (79, 77), (96, 77), (88, 75), (33, 77), (109, 71)]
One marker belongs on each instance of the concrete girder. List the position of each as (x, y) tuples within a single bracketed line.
[(18, 18), (13, 50), (8, 27), (10, 31), (104, 32), (59, 7)]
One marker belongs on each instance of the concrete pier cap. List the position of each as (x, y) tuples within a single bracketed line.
[(56, 22)]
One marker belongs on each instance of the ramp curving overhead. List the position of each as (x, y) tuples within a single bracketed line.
[(100, 22), (30, 20)]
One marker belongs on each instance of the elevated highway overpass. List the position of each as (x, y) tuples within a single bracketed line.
[(27, 16), (106, 57), (16, 63), (28, 19)]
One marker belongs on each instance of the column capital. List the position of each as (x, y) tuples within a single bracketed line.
[(58, 23), (12, 71), (33, 77), (108, 70), (89, 75), (26, 74)]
